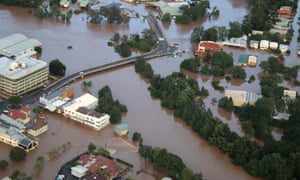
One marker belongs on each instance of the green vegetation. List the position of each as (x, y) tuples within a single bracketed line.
[(14, 102), (19, 175), (226, 103), (220, 61), (91, 147), (39, 163), (191, 64), (56, 67), (17, 154), (166, 18), (123, 45), (238, 72), (167, 162), (192, 13), (3, 164), (106, 104), (53, 11), (136, 136), (144, 68), (23, 3), (55, 152), (103, 152), (216, 85), (276, 160), (107, 15), (85, 85), (203, 92)]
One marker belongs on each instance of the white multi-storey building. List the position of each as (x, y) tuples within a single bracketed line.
[(20, 76), (81, 110)]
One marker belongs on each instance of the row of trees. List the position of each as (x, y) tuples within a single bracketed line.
[(192, 12), (107, 15), (124, 44), (168, 163), (23, 3), (269, 162), (106, 104)]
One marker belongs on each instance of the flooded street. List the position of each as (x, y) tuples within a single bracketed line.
[(145, 115)]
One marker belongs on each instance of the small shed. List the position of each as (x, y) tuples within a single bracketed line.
[(243, 60), (252, 60), (264, 44), (283, 48), (273, 45), (121, 129), (254, 44), (79, 171)]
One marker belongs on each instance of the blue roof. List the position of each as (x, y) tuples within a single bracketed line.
[(122, 127)]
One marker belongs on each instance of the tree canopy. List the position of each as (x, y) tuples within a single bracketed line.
[(56, 67)]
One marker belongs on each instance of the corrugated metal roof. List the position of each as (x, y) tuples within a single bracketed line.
[(19, 47), (11, 40)]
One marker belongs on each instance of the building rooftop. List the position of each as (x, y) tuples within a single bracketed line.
[(11, 40), (85, 100), (15, 69), (15, 49), (240, 97), (15, 134), (122, 127), (89, 112), (6, 119), (172, 7)]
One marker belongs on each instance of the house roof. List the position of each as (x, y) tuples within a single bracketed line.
[(243, 58), (95, 162), (16, 114), (121, 127), (240, 97), (11, 40)]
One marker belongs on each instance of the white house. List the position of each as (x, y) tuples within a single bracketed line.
[(79, 171), (81, 110), (264, 44), (240, 97)]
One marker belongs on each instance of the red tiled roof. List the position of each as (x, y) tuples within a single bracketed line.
[(111, 167), (25, 109), (208, 45), (284, 12), (16, 114)]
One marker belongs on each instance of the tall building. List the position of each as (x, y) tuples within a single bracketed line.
[(20, 76)]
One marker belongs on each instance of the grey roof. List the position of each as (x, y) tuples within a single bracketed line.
[(15, 69), (11, 40), (11, 121), (21, 46), (56, 93)]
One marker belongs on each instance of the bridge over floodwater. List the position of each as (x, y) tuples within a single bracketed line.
[(162, 49)]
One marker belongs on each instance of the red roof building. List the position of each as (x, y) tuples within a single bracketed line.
[(208, 46), (96, 163), (285, 12), (22, 115)]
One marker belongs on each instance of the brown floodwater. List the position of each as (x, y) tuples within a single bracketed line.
[(145, 115)]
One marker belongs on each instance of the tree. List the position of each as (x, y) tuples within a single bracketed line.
[(57, 68), (166, 18), (186, 174), (17, 154), (238, 72), (91, 147), (3, 164), (226, 103), (136, 136), (15, 102)]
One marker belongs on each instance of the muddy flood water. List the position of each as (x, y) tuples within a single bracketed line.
[(145, 115)]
